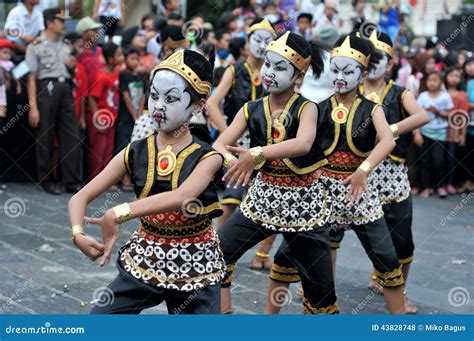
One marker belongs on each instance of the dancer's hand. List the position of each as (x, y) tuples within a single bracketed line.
[(89, 246), (242, 169), (110, 232), (358, 182)]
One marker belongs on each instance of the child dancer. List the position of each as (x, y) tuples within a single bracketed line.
[(285, 196), (355, 138), (174, 256), (241, 83), (391, 177)]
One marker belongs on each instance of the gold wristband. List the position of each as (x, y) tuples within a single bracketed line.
[(75, 230), (228, 157), (258, 158), (366, 167), (123, 212), (395, 131)]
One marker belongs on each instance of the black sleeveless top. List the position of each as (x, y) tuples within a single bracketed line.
[(140, 161), (357, 135), (242, 91), (392, 101), (259, 120)]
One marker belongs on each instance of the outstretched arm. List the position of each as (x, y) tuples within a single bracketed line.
[(240, 171), (111, 174), (159, 203)]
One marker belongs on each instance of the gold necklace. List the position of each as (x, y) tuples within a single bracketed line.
[(167, 158), (278, 129), (340, 112)]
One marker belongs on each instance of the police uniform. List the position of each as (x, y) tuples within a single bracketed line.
[(46, 59)]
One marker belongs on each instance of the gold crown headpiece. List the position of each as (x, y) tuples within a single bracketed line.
[(262, 25), (380, 45), (279, 46), (175, 63), (345, 50)]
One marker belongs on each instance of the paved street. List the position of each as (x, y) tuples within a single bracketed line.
[(42, 272)]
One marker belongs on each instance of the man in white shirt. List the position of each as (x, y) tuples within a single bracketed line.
[(24, 23)]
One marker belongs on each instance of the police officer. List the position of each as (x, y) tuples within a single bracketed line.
[(52, 105)]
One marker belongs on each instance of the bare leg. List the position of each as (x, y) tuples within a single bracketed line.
[(395, 299), (228, 211), (410, 307), (226, 301), (334, 258), (277, 296), (262, 260)]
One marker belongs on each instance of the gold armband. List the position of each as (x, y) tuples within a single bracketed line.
[(262, 254), (395, 131), (366, 167), (123, 212), (75, 230), (257, 156), (228, 157)]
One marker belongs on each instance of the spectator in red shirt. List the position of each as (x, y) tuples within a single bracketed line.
[(104, 104), (80, 91)]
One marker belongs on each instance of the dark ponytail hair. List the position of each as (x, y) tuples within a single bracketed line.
[(375, 56), (365, 47), (314, 50)]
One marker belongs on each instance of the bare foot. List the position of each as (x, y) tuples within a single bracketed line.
[(259, 263), (410, 307), (425, 193), (451, 190), (441, 192)]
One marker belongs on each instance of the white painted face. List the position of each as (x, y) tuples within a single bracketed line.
[(380, 68), (169, 103), (346, 74), (258, 42), (277, 73)]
